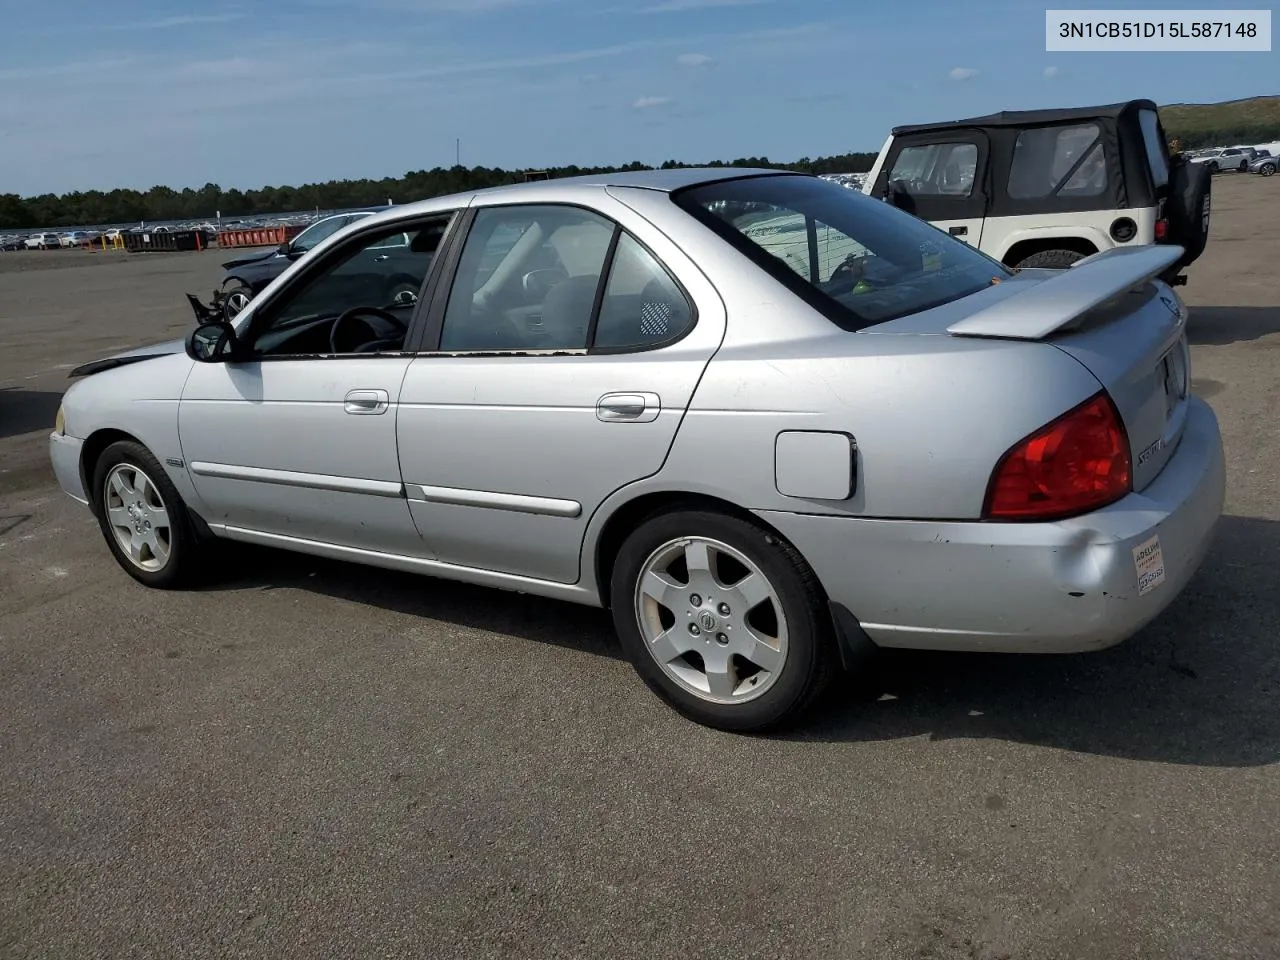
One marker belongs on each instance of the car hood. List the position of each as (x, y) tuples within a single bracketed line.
[(249, 258), (129, 356)]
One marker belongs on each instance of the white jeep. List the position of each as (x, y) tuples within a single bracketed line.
[(1045, 188)]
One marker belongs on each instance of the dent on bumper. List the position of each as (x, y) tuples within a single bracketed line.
[(64, 454), (1036, 588)]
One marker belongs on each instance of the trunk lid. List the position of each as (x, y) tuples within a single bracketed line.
[(1110, 313)]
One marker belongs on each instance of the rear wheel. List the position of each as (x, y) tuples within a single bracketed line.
[(722, 620), (1058, 259), (143, 518), (1267, 170)]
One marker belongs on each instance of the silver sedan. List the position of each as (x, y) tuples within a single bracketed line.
[(770, 423)]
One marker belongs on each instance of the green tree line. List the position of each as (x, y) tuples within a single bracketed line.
[(100, 208), (1252, 133)]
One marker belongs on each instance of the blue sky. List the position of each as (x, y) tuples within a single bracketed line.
[(106, 93)]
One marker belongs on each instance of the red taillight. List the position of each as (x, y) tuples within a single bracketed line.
[(1162, 230), (1077, 463)]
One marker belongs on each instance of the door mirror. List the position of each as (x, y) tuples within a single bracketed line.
[(213, 341)]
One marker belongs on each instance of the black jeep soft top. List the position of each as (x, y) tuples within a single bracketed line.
[(1136, 160)]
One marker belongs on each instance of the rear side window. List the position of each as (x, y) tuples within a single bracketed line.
[(530, 278), (642, 304), (857, 260), (1049, 161), (1153, 140)]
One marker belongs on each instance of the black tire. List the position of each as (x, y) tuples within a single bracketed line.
[(1267, 170), (1058, 259), (232, 290), (1213, 166), (812, 656), (185, 556)]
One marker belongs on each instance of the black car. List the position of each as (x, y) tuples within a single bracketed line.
[(247, 275)]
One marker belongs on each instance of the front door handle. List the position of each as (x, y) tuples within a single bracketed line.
[(958, 231), (366, 402), (628, 407)]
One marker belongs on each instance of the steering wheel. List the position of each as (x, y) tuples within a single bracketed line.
[(347, 316)]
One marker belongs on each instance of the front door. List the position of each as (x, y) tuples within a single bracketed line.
[(298, 438), (944, 178), (557, 368)]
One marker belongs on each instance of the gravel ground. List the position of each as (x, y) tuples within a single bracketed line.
[(308, 759)]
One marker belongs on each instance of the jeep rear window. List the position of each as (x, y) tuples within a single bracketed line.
[(859, 261), (1154, 142), (1051, 161)]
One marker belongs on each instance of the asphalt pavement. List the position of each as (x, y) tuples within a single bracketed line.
[(312, 759)]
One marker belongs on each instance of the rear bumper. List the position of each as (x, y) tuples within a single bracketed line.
[(64, 453), (1057, 587)]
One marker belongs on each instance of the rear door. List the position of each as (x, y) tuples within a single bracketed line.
[(944, 176), (561, 353)]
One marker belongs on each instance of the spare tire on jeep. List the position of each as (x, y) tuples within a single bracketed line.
[(1187, 207)]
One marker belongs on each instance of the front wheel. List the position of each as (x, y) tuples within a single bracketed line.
[(236, 296), (722, 620), (143, 518), (1267, 170)]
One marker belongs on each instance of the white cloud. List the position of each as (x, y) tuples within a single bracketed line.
[(693, 59), (646, 103), (678, 6), (962, 73), (1050, 71), (190, 20)]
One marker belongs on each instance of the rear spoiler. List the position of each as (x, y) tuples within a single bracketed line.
[(1085, 285)]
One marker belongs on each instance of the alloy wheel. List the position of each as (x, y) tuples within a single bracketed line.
[(138, 517), (711, 620), (236, 301)]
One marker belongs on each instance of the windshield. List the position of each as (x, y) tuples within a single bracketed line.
[(860, 261)]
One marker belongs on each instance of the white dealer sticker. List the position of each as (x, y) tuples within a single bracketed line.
[(1148, 561)]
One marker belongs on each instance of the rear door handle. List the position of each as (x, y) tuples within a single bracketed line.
[(366, 402), (958, 231), (628, 407)]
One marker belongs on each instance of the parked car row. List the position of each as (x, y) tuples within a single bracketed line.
[(1257, 160)]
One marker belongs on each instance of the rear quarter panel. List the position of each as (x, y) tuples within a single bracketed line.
[(930, 414)]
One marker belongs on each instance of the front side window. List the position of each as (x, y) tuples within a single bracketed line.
[(859, 261), (937, 169), (375, 278), (1047, 159)]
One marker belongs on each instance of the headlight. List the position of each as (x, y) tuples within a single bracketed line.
[(60, 421)]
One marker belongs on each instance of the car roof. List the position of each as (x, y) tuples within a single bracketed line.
[(664, 181), (1029, 118)]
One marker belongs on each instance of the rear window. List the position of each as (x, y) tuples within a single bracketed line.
[(1153, 139), (860, 261)]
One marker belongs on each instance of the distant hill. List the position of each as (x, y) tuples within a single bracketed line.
[(1253, 120)]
